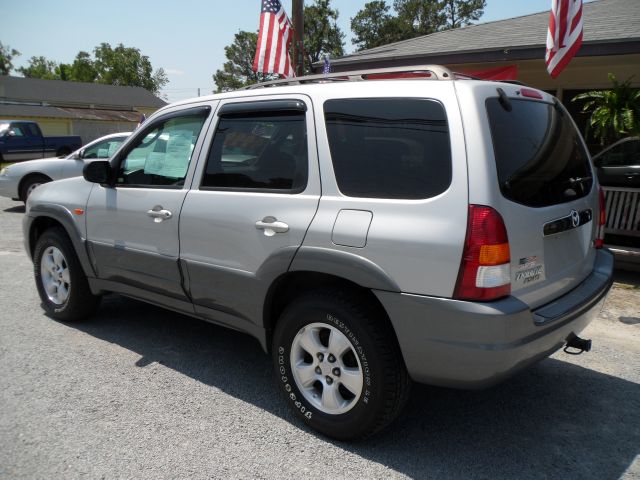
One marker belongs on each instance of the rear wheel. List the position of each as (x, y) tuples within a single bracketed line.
[(339, 365), (30, 184), (61, 283)]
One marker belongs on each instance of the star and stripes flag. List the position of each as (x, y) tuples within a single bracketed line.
[(564, 36), (274, 40)]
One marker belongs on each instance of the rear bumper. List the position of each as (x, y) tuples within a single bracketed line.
[(474, 345)]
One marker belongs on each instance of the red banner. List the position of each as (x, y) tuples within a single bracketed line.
[(510, 72)]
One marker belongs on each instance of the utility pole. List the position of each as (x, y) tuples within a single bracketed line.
[(297, 8)]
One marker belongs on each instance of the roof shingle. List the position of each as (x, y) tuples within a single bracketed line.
[(75, 93), (605, 21)]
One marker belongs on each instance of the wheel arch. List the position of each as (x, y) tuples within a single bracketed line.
[(41, 218), (293, 284), (28, 176)]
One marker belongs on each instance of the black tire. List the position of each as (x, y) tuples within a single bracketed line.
[(79, 303), (30, 183), (385, 382)]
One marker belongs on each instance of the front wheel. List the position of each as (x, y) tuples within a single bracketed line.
[(61, 283), (339, 365)]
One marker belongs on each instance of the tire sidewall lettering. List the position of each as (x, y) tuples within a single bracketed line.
[(298, 402)]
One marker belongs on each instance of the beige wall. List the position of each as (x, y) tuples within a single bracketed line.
[(581, 73)]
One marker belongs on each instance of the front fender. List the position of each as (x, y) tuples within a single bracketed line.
[(41, 215)]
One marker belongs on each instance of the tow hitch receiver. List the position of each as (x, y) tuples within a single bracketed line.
[(576, 345)]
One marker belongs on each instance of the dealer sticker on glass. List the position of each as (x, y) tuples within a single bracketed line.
[(529, 270)]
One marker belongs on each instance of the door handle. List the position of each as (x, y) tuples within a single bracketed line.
[(159, 214), (271, 226)]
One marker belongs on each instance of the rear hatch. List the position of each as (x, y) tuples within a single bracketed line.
[(548, 196)]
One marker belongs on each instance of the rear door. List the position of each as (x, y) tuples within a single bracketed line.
[(545, 191), (250, 205)]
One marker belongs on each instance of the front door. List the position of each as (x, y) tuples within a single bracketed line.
[(132, 225)]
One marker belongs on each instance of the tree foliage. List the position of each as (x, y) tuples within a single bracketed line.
[(6, 56), (125, 66), (615, 113), (322, 35), (374, 25), (40, 67), (237, 71)]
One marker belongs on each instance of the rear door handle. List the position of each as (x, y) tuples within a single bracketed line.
[(271, 226), (159, 214)]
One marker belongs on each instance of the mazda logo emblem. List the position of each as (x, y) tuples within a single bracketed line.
[(575, 218)]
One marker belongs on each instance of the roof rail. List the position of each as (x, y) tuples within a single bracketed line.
[(435, 72)]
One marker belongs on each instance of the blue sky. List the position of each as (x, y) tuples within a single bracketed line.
[(186, 38)]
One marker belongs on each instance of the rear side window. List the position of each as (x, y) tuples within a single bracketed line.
[(390, 147), (539, 154)]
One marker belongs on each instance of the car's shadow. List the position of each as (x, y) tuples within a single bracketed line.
[(555, 420), (15, 209)]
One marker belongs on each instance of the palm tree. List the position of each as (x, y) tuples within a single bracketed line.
[(615, 113)]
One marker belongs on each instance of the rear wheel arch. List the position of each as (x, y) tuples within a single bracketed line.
[(292, 285)]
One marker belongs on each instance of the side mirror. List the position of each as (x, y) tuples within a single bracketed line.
[(97, 172), (76, 155)]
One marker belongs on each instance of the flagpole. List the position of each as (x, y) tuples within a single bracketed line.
[(297, 7)]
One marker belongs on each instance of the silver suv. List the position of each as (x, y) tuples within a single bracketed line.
[(368, 228)]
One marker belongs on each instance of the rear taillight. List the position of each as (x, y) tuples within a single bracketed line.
[(485, 270), (599, 243)]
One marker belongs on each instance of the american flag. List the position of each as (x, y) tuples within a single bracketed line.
[(274, 39), (564, 36)]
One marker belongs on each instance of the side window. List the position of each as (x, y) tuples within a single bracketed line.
[(389, 147), (103, 149), (261, 151), (33, 130), (625, 154), (17, 131), (161, 156)]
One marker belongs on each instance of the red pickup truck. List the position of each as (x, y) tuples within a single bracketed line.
[(22, 140)]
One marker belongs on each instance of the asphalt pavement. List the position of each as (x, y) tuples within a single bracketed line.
[(141, 392)]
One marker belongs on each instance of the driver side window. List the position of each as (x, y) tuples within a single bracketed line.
[(161, 157)]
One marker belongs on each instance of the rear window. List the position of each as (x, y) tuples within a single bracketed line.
[(389, 147), (540, 157)]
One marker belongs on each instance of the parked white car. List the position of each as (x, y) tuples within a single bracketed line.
[(17, 181)]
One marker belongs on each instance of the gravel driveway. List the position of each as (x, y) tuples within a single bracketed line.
[(140, 392)]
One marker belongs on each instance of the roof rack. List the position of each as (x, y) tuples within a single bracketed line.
[(434, 72)]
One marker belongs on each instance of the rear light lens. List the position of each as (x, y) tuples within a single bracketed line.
[(485, 270), (599, 243)]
